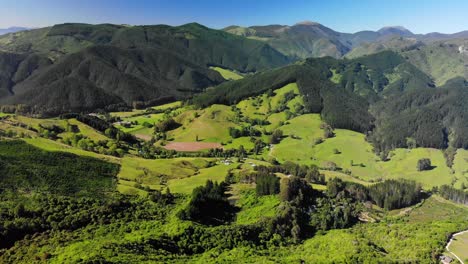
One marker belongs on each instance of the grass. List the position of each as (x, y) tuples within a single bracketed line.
[(306, 128), (210, 125), (459, 246), (237, 142), (173, 105), (26, 168), (253, 208), (227, 74), (336, 77), (403, 165), (357, 155), (153, 173), (88, 131), (186, 185), (345, 177), (139, 128), (35, 122), (50, 145)]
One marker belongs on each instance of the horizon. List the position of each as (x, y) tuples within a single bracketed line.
[(419, 17)]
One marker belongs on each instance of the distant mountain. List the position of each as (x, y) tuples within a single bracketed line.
[(12, 30), (311, 39), (396, 30), (302, 40)]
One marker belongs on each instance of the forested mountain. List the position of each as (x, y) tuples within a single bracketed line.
[(95, 66), (100, 76)]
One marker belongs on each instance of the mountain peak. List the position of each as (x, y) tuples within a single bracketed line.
[(307, 23), (395, 30)]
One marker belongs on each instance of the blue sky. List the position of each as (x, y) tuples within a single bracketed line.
[(419, 16)]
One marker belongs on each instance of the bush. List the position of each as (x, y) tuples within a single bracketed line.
[(424, 164), (209, 205), (276, 136)]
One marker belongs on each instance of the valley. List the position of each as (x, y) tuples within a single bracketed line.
[(258, 144)]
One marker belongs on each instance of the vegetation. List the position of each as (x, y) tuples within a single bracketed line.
[(424, 164), (357, 160), (209, 205), (25, 168), (392, 194)]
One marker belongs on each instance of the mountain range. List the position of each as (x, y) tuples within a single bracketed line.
[(81, 67), (12, 30)]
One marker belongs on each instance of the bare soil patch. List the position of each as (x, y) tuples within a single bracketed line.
[(192, 146)]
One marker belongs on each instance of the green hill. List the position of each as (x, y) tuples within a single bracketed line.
[(97, 66)]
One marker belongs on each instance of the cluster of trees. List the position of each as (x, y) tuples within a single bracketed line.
[(453, 194), (166, 125), (247, 131), (395, 194), (106, 147), (209, 205), (50, 132), (283, 103), (266, 183), (339, 208), (276, 136), (309, 173)]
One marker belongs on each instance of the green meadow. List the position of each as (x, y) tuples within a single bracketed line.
[(227, 74)]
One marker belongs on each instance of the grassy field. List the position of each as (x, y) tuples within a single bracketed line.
[(140, 117), (459, 246), (155, 173), (51, 145), (216, 173), (227, 74), (87, 131), (210, 125)]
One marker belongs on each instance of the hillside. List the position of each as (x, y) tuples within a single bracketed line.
[(192, 41), (99, 66), (341, 90), (147, 225), (101, 76)]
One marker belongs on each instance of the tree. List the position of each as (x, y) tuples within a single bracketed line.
[(410, 143), (266, 184), (424, 164), (209, 205), (276, 136), (327, 130), (292, 186)]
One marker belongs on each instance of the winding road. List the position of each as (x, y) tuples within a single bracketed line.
[(450, 242)]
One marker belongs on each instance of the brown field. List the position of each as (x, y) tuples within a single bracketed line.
[(144, 137), (191, 146)]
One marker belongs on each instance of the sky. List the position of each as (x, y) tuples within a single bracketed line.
[(419, 16)]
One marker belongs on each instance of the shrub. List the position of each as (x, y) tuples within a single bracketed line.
[(424, 164)]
